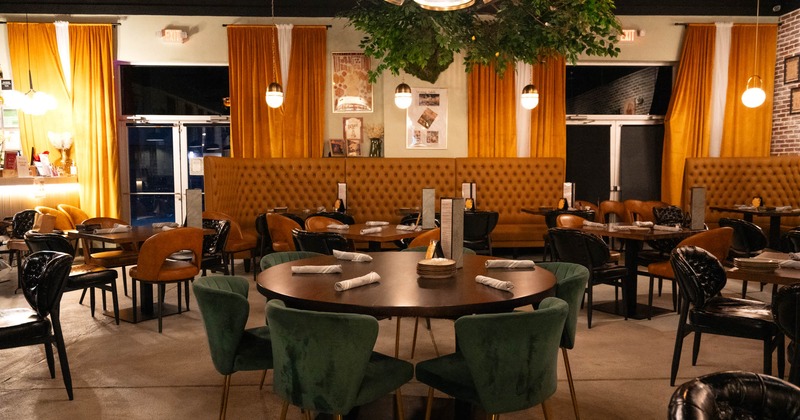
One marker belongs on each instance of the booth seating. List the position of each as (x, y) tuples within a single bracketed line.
[(378, 187)]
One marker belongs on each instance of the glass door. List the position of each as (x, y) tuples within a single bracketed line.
[(152, 167)]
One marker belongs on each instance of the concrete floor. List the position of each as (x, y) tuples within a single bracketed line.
[(621, 368)]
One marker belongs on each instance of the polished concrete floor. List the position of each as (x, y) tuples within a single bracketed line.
[(621, 368)]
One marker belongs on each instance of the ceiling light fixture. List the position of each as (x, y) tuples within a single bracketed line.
[(274, 95), (530, 97), (444, 5), (31, 102), (402, 96), (754, 94)]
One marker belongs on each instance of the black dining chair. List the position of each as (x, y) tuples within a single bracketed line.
[(478, 227), (321, 242), (342, 217), (786, 312), (749, 240)]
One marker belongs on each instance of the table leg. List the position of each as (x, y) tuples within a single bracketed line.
[(631, 282), (145, 310), (775, 232)]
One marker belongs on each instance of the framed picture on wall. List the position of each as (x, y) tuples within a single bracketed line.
[(353, 134), (337, 147), (794, 101), (791, 69), (426, 119), (352, 91)]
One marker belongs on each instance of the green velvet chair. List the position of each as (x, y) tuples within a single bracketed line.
[(571, 282), (324, 361), (224, 307), (276, 258), (504, 362)]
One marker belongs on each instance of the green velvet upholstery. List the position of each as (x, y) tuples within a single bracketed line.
[(504, 362), (224, 307), (324, 361), (425, 248), (571, 280), (276, 258)]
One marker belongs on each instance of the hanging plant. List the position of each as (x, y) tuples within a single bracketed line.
[(423, 42)]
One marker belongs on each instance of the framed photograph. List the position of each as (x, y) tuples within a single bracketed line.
[(791, 69), (352, 91), (794, 101), (337, 147), (427, 119), (353, 134)]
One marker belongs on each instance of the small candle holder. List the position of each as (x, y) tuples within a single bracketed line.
[(66, 163)]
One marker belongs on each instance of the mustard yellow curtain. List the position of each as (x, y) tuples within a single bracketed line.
[(687, 123), (549, 118), (256, 129), (748, 131), (305, 93), (95, 124), (491, 115), (35, 43)]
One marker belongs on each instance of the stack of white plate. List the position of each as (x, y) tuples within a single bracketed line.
[(436, 268), (756, 264)]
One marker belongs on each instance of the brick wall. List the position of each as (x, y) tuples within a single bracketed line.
[(611, 98), (785, 126)]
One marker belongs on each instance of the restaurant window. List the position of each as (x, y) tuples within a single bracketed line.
[(173, 90), (618, 90)]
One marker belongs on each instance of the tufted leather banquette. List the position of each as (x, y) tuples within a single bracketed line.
[(731, 181), (377, 187)]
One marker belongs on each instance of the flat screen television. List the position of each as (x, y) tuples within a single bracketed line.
[(173, 90)]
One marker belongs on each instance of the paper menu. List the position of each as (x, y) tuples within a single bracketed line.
[(452, 225), (428, 208)]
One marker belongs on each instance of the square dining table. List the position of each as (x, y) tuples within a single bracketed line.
[(388, 233), (771, 212)]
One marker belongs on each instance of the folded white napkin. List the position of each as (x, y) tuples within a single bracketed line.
[(783, 208), (118, 228), (316, 269), (623, 227), (795, 256), (408, 227), (343, 285), (338, 226), (510, 264), (376, 223), (367, 231), (168, 227), (163, 224), (589, 223), (497, 284), (746, 207), (790, 264), (351, 256), (643, 224), (667, 228)]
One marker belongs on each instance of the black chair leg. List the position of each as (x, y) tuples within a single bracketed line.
[(650, 297), (83, 295), (133, 297), (125, 282), (781, 356), (676, 354), (62, 357), (161, 294), (51, 361), (589, 307), (186, 291), (179, 298), (696, 347), (768, 346), (114, 301), (91, 300), (744, 289)]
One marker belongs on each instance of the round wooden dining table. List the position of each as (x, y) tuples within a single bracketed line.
[(401, 292)]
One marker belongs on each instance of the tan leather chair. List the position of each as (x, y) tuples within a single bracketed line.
[(320, 223), (425, 238), (154, 266), (239, 244), (109, 257), (75, 214), (609, 207), (716, 241), (583, 204), (63, 222), (280, 230)]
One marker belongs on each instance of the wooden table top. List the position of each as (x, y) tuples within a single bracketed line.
[(388, 233), (612, 230), (782, 276), (758, 211), (401, 292)]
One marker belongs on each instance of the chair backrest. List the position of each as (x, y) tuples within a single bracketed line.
[(583, 204), (512, 357), (320, 358), (280, 230), (735, 395), (44, 275), (579, 247), (322, 242), (48, 242), (569, 220), (157, 248), (786, 310), (791, 241), (320, 223), (224, 308), (748, 237), (617, 208), (63, 222), (699, 274), (271, 260), (478, 225), (235, 230), (716, 241), (425, 238), (571, 280), (22, 222), (105, 222), (341, 217), (214, 245), (636, 211), (264, 240), (75, 214), (668, 215)]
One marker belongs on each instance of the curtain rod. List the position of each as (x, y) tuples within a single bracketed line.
[(73, 23), (712, 23), (225, 25)]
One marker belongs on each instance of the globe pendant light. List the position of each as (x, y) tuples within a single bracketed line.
[(402, 96), (444, 5), (754, 94), (31, 102), (274, 95), (530, 97)]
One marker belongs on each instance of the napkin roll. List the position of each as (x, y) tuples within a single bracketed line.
[(783, 208), (407, 227), (343, 285), (337, 226), (377, 223), (589, 223), (510, 264), (493, 282), (667, 228), (351, 256), (790, 264), (643, 224), (316, 269), (369, 230)]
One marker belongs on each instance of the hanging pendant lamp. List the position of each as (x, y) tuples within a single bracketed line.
[(32, 102), (754, 94), (402, 96), (530, 97), (274, 95)]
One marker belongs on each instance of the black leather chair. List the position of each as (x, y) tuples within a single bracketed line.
[(20, 224), (44, 275), (701, 278), (408, 220), (81, 276), (590, 251), (478, 227), (342, 217), (735, 395), (213, 248), (264, 240), (786, 313), (791, 241), (321, 242), (749, 240)]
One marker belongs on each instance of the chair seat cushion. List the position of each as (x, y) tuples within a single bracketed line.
[(19, 325), (738, 317), (170, 271), (449, 374), (116, 258), (254, 351), (234, 245), (384, 374), (661, 269), (87, 275), (609, 272)]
